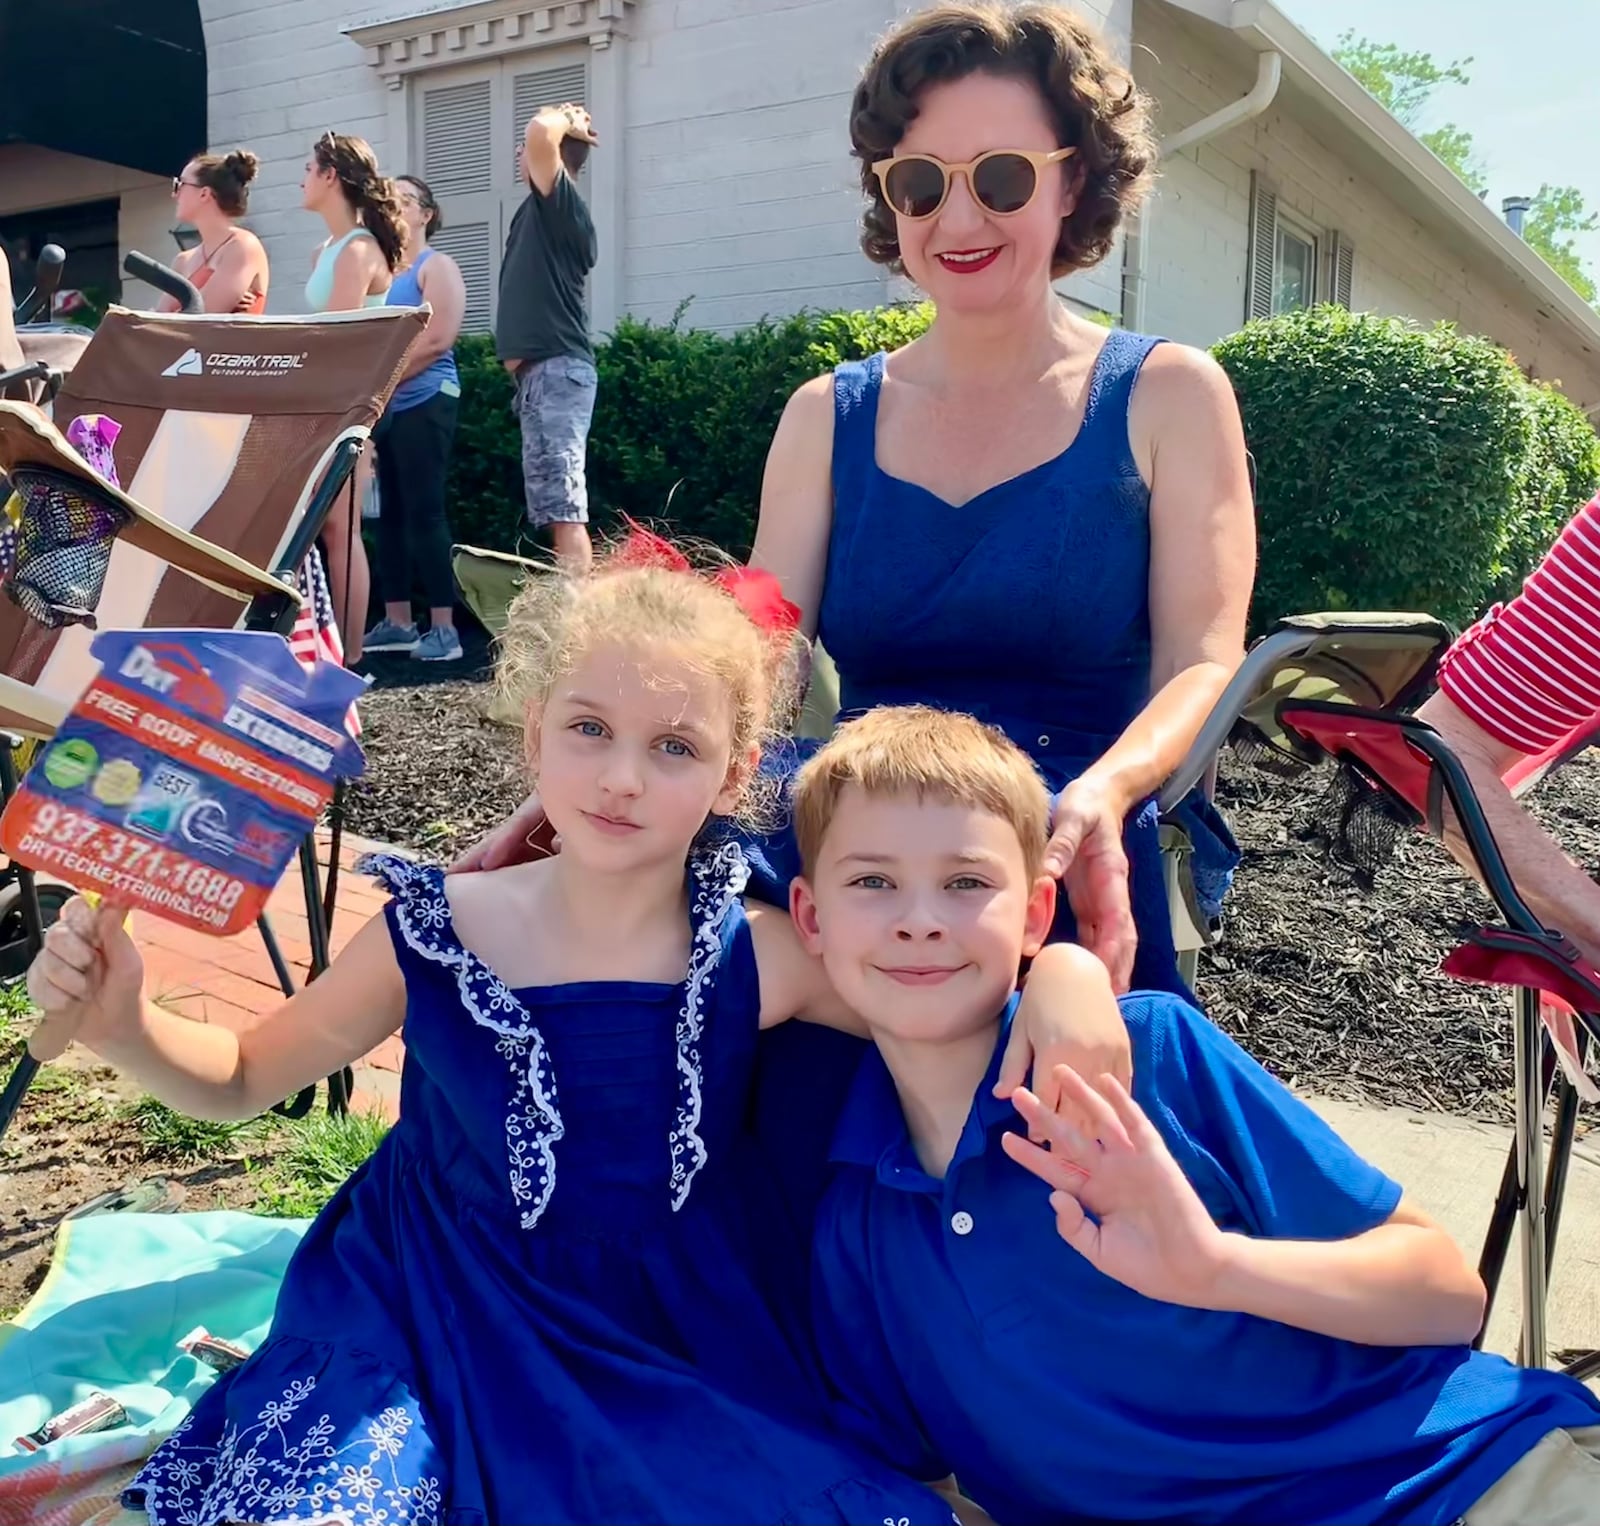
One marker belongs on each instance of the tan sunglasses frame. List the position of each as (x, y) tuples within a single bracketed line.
[(1036, 157)]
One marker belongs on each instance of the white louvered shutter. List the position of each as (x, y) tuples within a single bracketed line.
[(1263, 252), (457, 122), (471, 247), (456, 147)]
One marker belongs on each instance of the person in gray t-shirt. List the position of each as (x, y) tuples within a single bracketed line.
[(542, 332)]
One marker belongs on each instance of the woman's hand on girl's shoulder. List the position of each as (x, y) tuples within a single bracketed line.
[(524, 836)]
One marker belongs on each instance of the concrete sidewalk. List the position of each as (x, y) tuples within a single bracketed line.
[(1452, 1169)]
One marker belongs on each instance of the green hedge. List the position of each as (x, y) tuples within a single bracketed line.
[(683, 415), (1398, 467)]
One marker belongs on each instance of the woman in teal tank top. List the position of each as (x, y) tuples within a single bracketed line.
[(354, 268)]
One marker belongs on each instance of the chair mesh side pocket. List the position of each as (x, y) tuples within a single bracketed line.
[(63, 546)]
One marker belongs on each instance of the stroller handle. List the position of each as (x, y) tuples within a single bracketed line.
[(46, 277), (166, 280)]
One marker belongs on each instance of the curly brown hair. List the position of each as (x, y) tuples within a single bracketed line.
[(1095, 104), (374, 198)]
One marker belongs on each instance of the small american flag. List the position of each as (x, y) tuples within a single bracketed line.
[(315, 637)]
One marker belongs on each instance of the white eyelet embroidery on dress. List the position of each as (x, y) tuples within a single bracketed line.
[(719, 880), (533, 1121), (257, 1473)]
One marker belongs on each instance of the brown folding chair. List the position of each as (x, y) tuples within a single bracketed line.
[(237, 436)]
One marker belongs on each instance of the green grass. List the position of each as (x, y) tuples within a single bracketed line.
[(172, 1136), (15, 1014), (321, 1153)]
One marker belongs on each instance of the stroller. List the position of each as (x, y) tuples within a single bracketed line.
[(244, 430)]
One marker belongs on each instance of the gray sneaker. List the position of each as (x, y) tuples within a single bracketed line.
[(386, 636), (440, 644)]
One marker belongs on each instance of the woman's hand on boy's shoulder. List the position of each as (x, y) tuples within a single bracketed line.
[(1068, 1016)]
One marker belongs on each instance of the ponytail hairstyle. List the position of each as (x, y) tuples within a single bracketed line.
[(372, 197), (227, 177)]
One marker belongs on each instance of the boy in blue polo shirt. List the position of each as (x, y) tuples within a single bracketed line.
[(1248, 1324)]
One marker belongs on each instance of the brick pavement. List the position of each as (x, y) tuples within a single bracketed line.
[(231, 980)]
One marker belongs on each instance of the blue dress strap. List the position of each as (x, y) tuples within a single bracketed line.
[(1105, 414), (856, 386)]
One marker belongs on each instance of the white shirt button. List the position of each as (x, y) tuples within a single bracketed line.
[(961, 1222)]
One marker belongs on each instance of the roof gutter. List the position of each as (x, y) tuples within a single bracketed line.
[(1265, 28), (1269, 74)]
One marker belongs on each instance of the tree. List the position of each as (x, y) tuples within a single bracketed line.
[(1558, 212), (1405, 83)]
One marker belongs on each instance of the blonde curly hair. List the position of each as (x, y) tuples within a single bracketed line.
[(559, 618)]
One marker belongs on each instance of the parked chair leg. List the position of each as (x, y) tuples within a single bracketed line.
[(27, 1067), (1528, 1038), (1503, 1217)]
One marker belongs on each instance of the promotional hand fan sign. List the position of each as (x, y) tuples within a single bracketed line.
[(186, 775)]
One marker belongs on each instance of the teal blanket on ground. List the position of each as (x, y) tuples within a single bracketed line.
[(122, 1291)]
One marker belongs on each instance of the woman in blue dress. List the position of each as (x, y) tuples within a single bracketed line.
[(1021, 514), (548, 1296)]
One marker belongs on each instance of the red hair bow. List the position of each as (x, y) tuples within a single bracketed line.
[(757, 592)]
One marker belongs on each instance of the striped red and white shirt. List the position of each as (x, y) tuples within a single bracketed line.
[(1529, 671)]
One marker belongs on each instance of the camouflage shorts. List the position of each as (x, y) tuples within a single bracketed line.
[(554, 402)]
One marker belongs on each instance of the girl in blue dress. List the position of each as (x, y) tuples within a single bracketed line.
[(547, 1297)]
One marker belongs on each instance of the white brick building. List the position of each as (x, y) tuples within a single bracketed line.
[(723, 176)]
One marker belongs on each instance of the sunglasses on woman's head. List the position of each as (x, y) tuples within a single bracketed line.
[(180, 184), (1003, 181)]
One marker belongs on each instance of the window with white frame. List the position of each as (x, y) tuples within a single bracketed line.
[(466, 128), (1290, 263)]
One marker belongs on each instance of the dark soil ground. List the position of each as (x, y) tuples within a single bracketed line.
[(1334, 987)]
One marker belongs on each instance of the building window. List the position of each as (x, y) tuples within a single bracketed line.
[(1291, 265), (1294, 274)]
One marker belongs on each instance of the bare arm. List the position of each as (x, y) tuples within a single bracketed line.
[(1559, 893), (1122, 1201), (446, 293), (541, 144), (233, 275), (1184, 422), (797, 499), (794, 983), (10, 346), (1405, 1283), (89, 983), (353, 274)]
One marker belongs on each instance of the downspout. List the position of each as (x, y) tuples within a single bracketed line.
[(1269, 72)]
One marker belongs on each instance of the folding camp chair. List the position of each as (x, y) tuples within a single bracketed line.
[(243, 431), (1401, 769), (1337, 687)]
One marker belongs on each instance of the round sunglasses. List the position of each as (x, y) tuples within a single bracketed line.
[(1003, 181)]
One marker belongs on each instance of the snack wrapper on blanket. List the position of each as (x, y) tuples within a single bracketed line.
[(117, 1315), (186, 774)]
